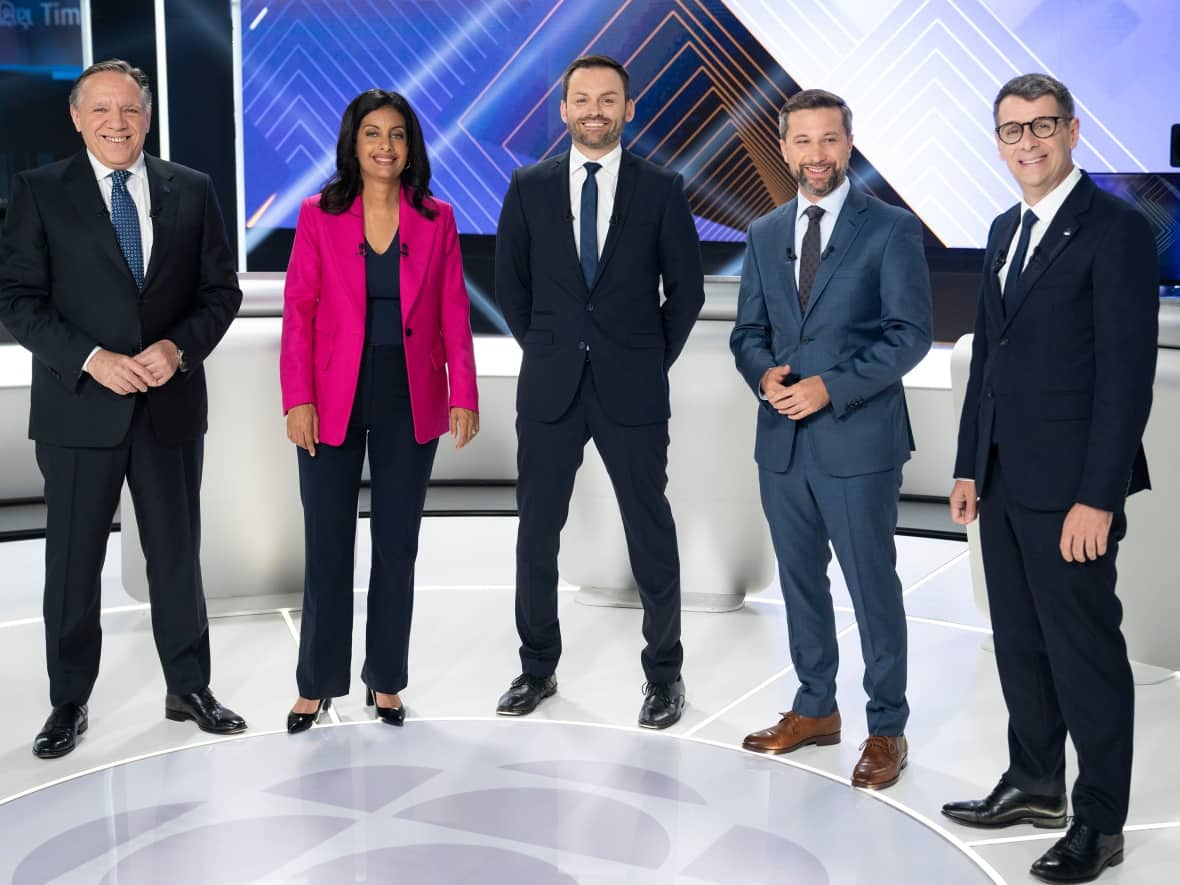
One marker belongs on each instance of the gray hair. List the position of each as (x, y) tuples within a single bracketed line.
[(118, 66), (1030, 87)]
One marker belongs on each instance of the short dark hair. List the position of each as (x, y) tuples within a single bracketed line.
[(118, 66), (344, 186), (595, 61), (1030, 87), (809, 100)]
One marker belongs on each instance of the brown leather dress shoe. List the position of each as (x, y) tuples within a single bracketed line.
[(881, 761), (793, 731)]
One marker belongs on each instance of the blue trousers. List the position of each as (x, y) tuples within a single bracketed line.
[(806, 509)]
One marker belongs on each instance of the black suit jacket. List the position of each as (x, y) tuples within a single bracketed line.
[(632, 338), (1062, 366), (65, 288)]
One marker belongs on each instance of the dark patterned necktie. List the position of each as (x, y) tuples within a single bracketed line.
[(589, 223), (1017, 266), (809, 255), (125, 218)]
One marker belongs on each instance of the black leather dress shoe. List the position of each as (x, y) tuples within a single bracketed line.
[(388, 715), (59, 734), (202, 708), (1080, 856), (297, 722), (525, 693), (1005, 806), (663, 705)]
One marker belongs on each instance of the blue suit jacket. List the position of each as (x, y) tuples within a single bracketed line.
[(868, 322), (1062, 366), (555, 316)]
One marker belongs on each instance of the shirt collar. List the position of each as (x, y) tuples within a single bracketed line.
[(1048, 205), (610, 163), (101, 171), (831, 204)]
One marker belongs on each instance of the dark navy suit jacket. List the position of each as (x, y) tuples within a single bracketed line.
[(1062, 366), (632, 337), (65, 288), (868, 322)]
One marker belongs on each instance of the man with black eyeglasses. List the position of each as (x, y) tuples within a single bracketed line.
[(1050, 445)]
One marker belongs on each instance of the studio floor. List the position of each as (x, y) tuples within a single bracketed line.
[(574, 793)]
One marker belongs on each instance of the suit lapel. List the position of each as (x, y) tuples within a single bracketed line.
[(558, 188), (417, 240), (624, 190), (1062, 231), (785, 269), (82, 188), (348, 228), (993, 264), (161, 186), (839, 246)]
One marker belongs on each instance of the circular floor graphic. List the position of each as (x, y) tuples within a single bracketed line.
[(456, 801)]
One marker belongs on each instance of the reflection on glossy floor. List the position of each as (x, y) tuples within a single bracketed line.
[(574, 793)]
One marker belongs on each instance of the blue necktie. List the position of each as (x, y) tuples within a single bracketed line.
[(125, 218), (1017, 266), (589, 224)]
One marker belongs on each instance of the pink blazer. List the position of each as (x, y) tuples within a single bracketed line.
[(324, 303)]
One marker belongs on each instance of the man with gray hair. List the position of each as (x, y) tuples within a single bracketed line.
[(115, 272), (1050, 445)]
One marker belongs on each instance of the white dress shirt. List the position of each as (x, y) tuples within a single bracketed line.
[(137, 187), (831, 204), (1045, 209), (607, 178)]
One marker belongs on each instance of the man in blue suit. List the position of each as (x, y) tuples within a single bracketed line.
[(585, 243), (834, 309), (1050, 445)]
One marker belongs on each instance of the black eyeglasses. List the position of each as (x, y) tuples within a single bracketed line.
[(1041, 127)]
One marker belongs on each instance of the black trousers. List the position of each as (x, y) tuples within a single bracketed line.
[(636, 458), (82, 488), (329, 485), (1061, 657)]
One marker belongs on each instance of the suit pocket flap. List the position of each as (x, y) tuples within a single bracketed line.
[(1068, 406), (647, 339)]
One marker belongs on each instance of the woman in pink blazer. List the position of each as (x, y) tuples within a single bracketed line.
[(376, 353)]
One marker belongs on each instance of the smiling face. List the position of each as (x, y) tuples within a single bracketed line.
[(594, 110), (111, 118), (1037, 164), (382, 146), (817, 150)]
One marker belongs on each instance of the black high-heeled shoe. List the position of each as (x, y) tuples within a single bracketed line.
[(388, 715), (297, 722)]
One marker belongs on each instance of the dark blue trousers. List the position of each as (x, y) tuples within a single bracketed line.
[(1061, 656), (636, 458), (329, 484), (806, 509)]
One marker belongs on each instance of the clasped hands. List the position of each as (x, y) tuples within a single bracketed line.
[(303, 426), (805, 397), (1084, 533), (152, 367)]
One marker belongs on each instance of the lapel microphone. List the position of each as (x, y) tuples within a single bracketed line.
[(360, 249), (828, 251), (790, 254), (998, 264), (404, 251)]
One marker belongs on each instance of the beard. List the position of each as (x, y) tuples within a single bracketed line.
[(825, 186), (599, 139)]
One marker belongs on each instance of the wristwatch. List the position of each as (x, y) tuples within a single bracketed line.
[(180, 365)]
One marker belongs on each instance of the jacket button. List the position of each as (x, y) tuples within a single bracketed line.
[(590, 307), (805, 340), (1003, 342), (409, 331), (581, 345), (989, 393)]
